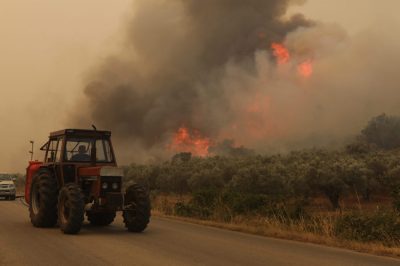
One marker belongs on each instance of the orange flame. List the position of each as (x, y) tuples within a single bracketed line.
[(281, 53), (192, 141), (305, 69)]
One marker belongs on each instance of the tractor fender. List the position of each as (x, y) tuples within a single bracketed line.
[(31, 170)]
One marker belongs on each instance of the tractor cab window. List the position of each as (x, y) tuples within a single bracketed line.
[(58, 151), (103, 151), (51, 151), (80, 149)]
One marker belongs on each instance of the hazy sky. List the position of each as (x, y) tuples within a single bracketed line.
[(47, 46)]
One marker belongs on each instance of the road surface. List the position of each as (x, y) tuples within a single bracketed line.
[(165, 242)]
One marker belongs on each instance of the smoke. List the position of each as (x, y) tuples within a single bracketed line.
[(208, 66)]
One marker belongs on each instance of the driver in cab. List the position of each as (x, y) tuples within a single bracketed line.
[(81, 156)]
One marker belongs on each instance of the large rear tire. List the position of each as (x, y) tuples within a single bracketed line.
[(137, 208), (43, 199), (100, 218), (71, 208)]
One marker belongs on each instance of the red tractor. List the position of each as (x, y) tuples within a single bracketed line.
[(79, 174)]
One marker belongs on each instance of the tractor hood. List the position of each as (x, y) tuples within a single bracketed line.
[(101, 171)]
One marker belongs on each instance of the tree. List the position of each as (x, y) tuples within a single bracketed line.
[(383, 131), (326, 175)]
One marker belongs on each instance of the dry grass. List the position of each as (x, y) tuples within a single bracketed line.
[(318, 230)]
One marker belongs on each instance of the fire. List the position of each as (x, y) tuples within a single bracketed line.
[(185, 140), (281, 53), (305, 69)]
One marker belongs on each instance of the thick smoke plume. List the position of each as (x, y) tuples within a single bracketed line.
[(209, 66)]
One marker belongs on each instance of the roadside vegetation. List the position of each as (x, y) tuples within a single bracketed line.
[(351, 195)]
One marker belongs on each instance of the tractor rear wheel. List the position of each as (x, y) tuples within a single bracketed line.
[(43, 199), (136, 212), (100, 218), (71, 208)]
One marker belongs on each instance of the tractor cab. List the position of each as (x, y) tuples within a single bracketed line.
[(79, 146), (79, 167), (70, 150)]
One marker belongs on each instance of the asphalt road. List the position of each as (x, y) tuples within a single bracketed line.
[(165, 242)]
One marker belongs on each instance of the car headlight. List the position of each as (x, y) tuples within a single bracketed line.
[(115, 186), (104, 185)]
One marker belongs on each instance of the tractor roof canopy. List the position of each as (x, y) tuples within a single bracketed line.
[(80, 133)]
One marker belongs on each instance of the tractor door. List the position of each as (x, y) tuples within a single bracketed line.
[(68, 167), (53, 158), (77, 152)]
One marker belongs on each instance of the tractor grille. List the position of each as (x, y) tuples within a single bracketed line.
[(114, 200), (110, 180)]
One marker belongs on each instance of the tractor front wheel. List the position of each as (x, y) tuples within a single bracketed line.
[(100, 218), (136, 212), (71, 208)]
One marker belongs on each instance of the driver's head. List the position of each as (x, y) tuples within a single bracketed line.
[(82, 149)]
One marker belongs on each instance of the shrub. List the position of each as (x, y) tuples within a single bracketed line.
[(192, 210), (205, 198), (202, 205), (182, 209), (378, 226), (396, 198), (241, 203)]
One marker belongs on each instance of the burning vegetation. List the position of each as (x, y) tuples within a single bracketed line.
[(185, 140), (256, 112)]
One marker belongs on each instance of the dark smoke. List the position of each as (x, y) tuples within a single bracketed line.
[(168, 73)]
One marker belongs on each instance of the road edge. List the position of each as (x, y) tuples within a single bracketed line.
[(364, 248)]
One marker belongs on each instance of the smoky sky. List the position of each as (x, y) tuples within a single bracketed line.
[(174, 51), (208, 65), (52, 52)]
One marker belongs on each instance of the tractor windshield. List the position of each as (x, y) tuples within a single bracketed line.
[(80, 149)]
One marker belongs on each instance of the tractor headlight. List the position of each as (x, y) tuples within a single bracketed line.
[(104, 185), (115, 186)]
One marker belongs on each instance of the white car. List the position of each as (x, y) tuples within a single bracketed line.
[(7, 189)]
